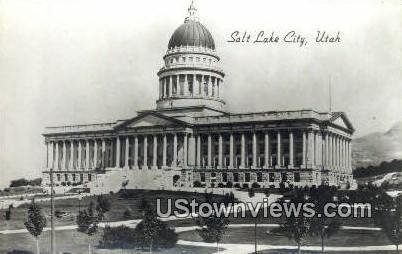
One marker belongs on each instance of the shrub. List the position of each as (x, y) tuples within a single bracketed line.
[(212, 185), (245, 185), (197, 184), (119, 237), (229, 184), (19, 182), (221, 185), (127, 213), (237, 185), (251, 193), (255, 185)]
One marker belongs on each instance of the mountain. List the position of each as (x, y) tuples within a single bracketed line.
[(374, 148)]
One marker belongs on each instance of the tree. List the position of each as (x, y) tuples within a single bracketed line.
[(296, 226), (152, 232), (251, 193), (87, 223), (391, 222), (35, 223), (212, 228), (323, 226), (103, 206)]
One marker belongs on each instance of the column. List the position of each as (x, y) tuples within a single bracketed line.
[(191, 150), (326, 152), (160, 89), (174, 162), (86, 154), (335, 152), (95, 159), (103, 154), (341, 153), (135, 166), (220, 151), (118, 147), (291, 150), (126, 152), (198, 160), (71, 162), (170, 86), (56, 155), (266, 150), (64, 161), (330, 151), (209, 150), (231, 150), (310, 149), (278, 148), (350, 156), (319, 148), (145, 154), (185, 147), (155, 153), (254, 150), (344, 153), (164, 151), (304, 156), (79, 154), (243, 151)]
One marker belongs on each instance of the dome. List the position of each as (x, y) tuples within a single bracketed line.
[(192, 33)]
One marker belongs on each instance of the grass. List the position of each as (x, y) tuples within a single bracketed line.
[(75, 242), (245, 235), (119, 206), (71, 241), (284, 251)]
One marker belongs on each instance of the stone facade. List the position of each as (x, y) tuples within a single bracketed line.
[(190, 134)]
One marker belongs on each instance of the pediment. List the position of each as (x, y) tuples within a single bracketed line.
[(342, 121), (150, 120)]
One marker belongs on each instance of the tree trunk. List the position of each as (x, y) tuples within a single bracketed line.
[(255, 236), (37, 246), (322, 244), (150, 247), (89, 248), (397, 248), (298, 248)]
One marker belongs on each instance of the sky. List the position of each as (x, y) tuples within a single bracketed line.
[(75, 62)]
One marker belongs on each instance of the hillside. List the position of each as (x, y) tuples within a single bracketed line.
[(374, 148)]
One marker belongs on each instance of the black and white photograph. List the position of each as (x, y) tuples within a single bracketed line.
[(200, 126)]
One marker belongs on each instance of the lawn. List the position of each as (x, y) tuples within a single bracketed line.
[(245, 235), (71, 241), (118, 207)]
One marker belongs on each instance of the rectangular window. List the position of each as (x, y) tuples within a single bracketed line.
[(66, 177), (297, 177), (58, 177), (224, 177), (247, 177), (235, 177), (89, 177), (271, 177), (73, 177), (202, 176), (259, 177), (81, 177), (284, 177)]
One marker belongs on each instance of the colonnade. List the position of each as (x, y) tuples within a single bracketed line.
[(193, 85), (237, 149)]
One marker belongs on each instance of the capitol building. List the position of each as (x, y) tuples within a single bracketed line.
[(191, 140)]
